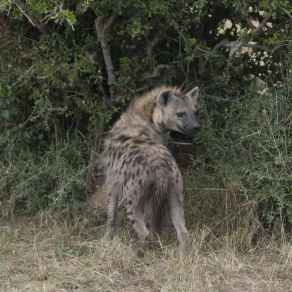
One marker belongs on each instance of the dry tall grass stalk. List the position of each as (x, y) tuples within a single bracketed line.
[(40, 255)]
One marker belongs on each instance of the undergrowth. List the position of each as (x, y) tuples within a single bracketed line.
[(241, 175), (56, 180)]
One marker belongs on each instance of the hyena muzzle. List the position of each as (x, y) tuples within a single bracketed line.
[(141, 171)]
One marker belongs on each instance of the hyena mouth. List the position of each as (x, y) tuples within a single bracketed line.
[(188, 132)]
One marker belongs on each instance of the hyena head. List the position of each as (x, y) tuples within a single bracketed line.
[(177, 111)]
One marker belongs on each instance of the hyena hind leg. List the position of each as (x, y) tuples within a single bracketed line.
[(113, 220), (135, 214), (148, 213), (176, 212), (143, 235)]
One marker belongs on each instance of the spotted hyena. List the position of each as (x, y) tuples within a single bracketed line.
[(141, 170)]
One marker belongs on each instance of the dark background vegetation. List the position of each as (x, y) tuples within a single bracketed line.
[(68, 68)]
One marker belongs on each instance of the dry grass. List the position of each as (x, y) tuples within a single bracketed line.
[(37, 254)]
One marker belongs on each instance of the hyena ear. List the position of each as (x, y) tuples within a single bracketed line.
[(164, 97), (193, 94)]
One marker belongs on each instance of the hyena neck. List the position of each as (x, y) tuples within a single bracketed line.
[(144, 108), (135, 125)]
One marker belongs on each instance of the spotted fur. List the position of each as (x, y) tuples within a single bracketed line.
[(140, 169)]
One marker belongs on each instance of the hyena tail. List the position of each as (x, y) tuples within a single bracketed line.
[(160, 190)]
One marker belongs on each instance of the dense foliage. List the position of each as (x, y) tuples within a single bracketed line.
[(68, 69)]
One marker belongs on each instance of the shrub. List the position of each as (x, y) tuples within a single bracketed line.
[(34, 182)]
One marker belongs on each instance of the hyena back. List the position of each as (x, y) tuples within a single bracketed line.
[(141, 170)]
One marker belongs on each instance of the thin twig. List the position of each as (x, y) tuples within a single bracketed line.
[(182, 143), (21, 10)]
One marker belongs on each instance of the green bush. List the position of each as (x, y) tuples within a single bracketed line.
[(257, 143), (68, 70), (251, 154), (51, 181)]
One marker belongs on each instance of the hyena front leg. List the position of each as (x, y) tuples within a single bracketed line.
[(113, 200), (176, 212)]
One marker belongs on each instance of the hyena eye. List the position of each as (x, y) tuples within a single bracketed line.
[(180, 114)]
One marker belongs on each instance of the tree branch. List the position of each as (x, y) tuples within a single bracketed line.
[(156, 73), (25, 11), (264, 48), (79, 8), (203, 63), (236, 45), (260, 26), (161, 33), (101, 29), (157, 70)]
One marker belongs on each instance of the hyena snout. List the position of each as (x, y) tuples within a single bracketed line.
[(196, 126), (191, 127)]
